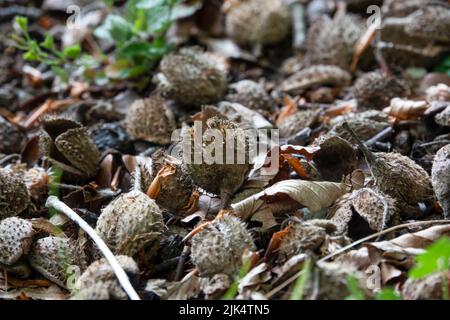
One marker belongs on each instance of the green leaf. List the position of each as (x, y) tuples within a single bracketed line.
[(72, 52), (158, 19), (149, 4), (31, 55), (115, 28), (388, 294), (61, 72), (299, 287), (138, 50), (444, 66), (435, 259), (22, 22), (48, 42), (353, 287)]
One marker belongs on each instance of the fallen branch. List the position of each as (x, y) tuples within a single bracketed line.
[(55, 203)]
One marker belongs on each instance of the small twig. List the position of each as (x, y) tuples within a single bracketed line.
[(181, 263), (382, 135), (375, 235), (55, 203), (8, 158)]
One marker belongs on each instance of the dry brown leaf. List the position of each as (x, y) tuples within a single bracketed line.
[(295, 193), (406, 109), (396, 255)]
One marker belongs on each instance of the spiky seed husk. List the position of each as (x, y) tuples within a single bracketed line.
[(219, 178), (219, 247), (130, 222), (10, 137), (250, 94), (440, 178), (430, 22), (333, 41), (314, 76), (303, 237), (191, 77), (52, 257), (99, 281), (78, 148), (378, 210), (15, 239), (374, 90), (258, 21), (151, 120), (401, 178), (427, 288), (14, 196), (66, 144)]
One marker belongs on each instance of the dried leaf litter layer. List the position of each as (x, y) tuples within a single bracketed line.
[(362, 163)]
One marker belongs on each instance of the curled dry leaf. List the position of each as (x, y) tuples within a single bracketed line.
[(298, 193), (403, 109), (396, 255)]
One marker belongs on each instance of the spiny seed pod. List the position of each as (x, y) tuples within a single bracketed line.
[(10, 137), (258, 21), (427, 288), (250, 94), (15, 239), (333, 41), (399, 177), (99, 281), (315, 76), (130, 222), (192, 77), (363, 212), (215, 175), (151, 120), (440, 174), (36, 180), (430, 22), (218, 248), (14, 196), (298, 121), (53, 257), (176, 188), (364, 128), (304, 237), (374, 90), (67, 144)]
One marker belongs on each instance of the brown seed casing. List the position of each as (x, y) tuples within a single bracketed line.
[(258, 21), (15, 239), (14, 196), (440, 177), (151, 120), (191, 77), (130, 222), (52, 256), (218, 248)]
